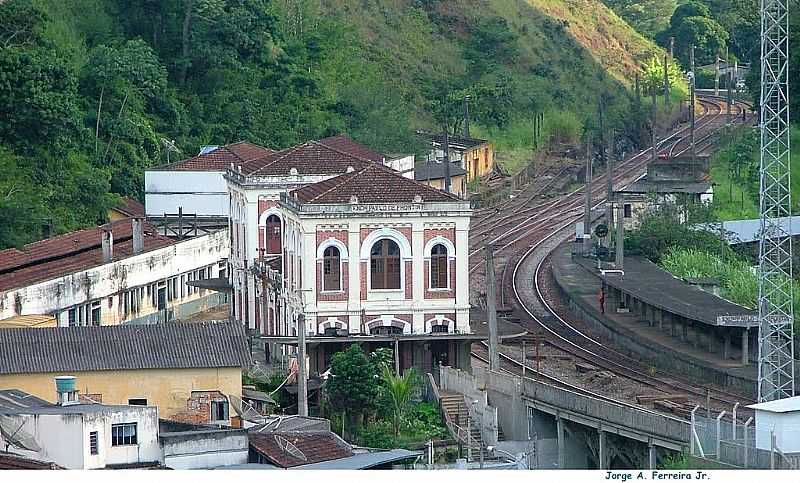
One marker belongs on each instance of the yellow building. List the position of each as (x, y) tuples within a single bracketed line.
[(189, 371), (433, 174), (476, 156)]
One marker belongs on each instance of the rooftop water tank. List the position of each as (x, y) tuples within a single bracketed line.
[(65, 384)]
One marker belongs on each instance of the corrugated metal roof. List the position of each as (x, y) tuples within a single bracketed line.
[(31, 320), (161, 346), (362, 461)]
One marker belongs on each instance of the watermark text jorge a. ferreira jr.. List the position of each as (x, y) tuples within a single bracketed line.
[(624, 476)]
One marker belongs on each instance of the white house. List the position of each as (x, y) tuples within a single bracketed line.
[(79, 436), (196, 184), (782, 419)]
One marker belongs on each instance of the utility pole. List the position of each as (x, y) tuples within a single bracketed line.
[(666, 81), (691, 102), (587, 212), (446, 160), (609, 171), (466, 116), (654, 110), (620, 255), (729, 78), (716, 74), (491, 311), (302, 382), (672, 47)]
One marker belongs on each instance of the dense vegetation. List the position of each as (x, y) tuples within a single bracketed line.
[(91, 90)]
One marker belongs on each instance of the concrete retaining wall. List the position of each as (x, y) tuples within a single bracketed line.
[(635, 345)]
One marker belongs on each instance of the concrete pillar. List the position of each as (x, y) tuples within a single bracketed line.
[(697, 335), (726, 344), (651, 456), (745, 347), (601, 449), (562, 450), (650, 315)]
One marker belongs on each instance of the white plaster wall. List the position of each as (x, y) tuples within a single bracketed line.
[(201, 192), (199, 452), (147, 448), (56, 295), (58, 436)]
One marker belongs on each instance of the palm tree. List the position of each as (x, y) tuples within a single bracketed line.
[(400, 389)]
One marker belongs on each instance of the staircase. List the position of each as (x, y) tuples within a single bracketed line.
[(456, 415)]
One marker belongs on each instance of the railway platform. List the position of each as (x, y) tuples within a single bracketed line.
[(661, 319)]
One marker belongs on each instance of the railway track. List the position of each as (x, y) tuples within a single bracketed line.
[(536, 230)]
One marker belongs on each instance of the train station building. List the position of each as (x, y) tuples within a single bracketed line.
[(367, 255)]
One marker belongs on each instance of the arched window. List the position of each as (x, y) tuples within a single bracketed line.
[(386, 330), (272, 234), (384, 261), (439, 272), (331, 275)]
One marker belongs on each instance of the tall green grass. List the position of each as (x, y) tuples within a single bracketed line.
[(738, 280)]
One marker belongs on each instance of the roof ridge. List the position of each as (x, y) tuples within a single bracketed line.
[(354, 174), (421, 184), (331, 148), (281, 155)]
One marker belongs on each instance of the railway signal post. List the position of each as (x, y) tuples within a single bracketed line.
[(491, 309)]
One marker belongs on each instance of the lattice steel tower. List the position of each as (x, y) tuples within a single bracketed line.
[(775, 311)]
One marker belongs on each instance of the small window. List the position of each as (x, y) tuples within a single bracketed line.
[(72, 316), (219, 411), (438, 329), (331, 279), (439, 269), (93, 442), (137, 402), (95, 314), (123, 434), (626, 210), (386, 330)]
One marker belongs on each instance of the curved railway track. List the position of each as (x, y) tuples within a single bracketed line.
[(533, 227)]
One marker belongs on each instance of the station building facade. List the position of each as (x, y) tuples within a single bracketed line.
[(353, 245)]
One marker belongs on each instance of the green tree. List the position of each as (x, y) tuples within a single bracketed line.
[(648, 17), (353, 385), (400, 389), (705, 34)]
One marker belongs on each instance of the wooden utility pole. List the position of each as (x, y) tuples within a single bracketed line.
[(691, 101), (620, 255), (491, 310), (587, 212), (653, 109), (446, 160), (666, 81), (466, 116), (302, 382)]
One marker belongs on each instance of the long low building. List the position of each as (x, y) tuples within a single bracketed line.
[(188, 370), (121, 272)]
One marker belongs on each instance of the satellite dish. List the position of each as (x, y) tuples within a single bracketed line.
[(13, 434), (289, 448), (245, 410)]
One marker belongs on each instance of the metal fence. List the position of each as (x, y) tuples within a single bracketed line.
[(724, 438)]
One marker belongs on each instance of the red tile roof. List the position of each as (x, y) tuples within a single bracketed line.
[(373, 184), (131, 208), (69, 253), (220, 158), (10, 461), (347, 145), (304, 447), (309, 158)]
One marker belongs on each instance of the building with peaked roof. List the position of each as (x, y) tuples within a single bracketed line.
[(368, 250), (195, 185), (123, 272), (475, 156), (187, 370), (434, 175)]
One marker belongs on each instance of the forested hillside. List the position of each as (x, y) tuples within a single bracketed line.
[(90, 90)]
